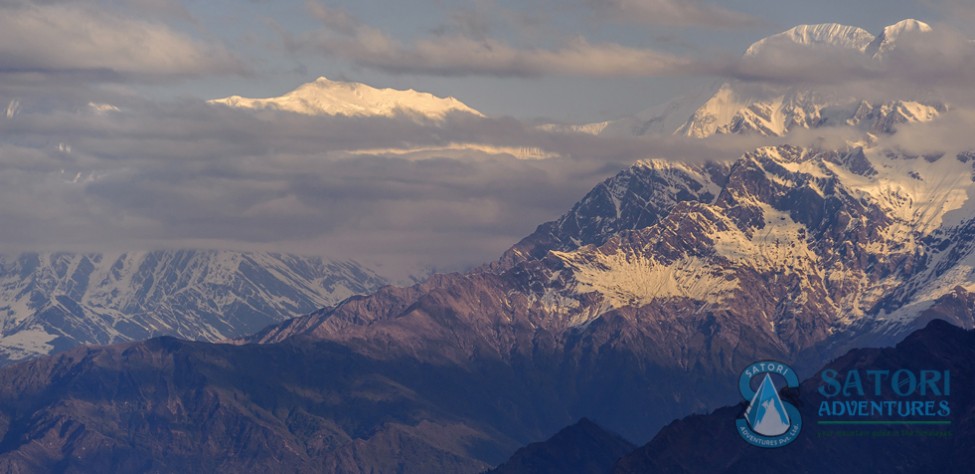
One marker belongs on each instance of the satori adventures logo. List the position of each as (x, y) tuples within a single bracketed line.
[(892, 401), (768, 422)]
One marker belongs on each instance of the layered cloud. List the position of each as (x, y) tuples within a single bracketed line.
[(672, 13), (456, 54), (130, 173), (473, 47), (187, 174), (939, 63), (81, 40)]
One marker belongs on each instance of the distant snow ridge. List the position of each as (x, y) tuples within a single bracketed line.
[(736, 108), (353, 99), (325, 97), (739, 108), (828, 34), (51, 302)]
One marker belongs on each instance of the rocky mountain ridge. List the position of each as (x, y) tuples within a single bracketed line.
[(53, 301), (640, 305)]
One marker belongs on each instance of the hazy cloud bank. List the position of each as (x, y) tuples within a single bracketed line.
[(84, 41), (186, 173)]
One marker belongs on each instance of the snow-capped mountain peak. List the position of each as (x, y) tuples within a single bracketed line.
[(354, 99), (886, 41), (736, 107), (909, 24), (826, 34)]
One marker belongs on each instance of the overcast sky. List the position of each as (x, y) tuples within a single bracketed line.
[(154, 166), (571, 60)]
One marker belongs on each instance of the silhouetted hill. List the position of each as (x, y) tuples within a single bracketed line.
[(710, 444), (583, 448)]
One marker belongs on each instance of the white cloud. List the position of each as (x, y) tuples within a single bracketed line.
[(333, 18), (671, 13), (82, 39), (937, 65), (178, 174), (459, 55), (186, 174)]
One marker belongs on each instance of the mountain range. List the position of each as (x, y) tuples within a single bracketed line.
[(692, 272), (50, 302), (639, 305), (742, 107)]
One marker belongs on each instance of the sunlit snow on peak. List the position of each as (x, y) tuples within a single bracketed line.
[(826, 34), (353, 99)]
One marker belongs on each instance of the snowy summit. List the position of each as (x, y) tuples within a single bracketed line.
[(887, 40), (826, 34), (353, 99), (736, 107)]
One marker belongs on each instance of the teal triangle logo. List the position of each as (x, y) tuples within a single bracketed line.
[(766, 414)]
